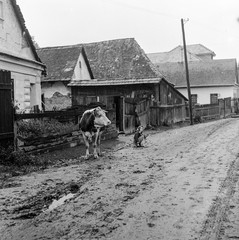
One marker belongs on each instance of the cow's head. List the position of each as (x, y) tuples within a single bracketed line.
[(100, 118)]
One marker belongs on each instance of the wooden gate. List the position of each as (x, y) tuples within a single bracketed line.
[(141, 107), (6, 109)]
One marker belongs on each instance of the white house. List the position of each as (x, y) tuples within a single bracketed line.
[(64, 64), (18, 55), (209, 80)]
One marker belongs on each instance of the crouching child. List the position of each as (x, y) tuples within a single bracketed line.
[(139, 137)]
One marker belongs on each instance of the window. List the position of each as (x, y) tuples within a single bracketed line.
[(214, 98), (1, 10), (79, 64), (194, 98)]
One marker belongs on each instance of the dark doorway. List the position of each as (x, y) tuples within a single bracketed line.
[(6, 106), (118, 101)]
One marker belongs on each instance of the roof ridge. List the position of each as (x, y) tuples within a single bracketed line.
[(83, 44)]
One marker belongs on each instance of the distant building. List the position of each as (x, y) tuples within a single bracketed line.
[(195, 52), (209, 80)]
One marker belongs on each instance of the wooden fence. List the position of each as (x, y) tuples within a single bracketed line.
[(214, 111), (168, 115), (70, 115)]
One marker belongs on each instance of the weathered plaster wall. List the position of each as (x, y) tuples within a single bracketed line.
[(27, 86), (11, 37), (56, 94)]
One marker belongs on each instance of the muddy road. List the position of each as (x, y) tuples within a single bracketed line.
[(183, 184)]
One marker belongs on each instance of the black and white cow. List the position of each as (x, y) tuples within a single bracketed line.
[(92, 124)]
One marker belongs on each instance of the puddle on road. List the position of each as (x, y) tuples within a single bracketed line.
[(60, 201)]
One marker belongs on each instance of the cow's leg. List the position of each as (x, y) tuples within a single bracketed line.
[(98, 144), (95, 144), (87, 145)]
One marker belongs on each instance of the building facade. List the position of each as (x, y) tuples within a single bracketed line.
[(18, 55)]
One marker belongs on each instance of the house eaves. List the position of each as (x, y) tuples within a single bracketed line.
[(200, 86), (113, 82)]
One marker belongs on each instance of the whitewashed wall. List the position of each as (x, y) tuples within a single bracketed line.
[(204, 93), (26, 74)]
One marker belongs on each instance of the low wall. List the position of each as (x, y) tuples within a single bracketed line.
[(53, 142)]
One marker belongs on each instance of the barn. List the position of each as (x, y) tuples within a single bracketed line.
[(125, 80)]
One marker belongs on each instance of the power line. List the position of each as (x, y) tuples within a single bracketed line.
[(142, 9)]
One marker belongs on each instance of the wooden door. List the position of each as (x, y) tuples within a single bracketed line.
[(6, 109)]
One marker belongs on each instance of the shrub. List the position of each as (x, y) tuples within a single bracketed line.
[(10, 157), (38, 127)]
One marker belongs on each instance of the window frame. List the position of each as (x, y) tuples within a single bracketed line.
[(212, 96), (1, 11), (192, 98)]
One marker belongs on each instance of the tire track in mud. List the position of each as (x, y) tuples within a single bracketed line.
[(217, 127), (213, 227), (215, 224)]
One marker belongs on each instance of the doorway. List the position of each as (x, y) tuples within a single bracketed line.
[(118, 102)]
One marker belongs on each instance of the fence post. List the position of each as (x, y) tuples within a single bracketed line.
[(15, 144), (224, 105)]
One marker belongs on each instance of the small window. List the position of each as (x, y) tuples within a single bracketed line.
[(214, 98), (79, 64), (194, 98)]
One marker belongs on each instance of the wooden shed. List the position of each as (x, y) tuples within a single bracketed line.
[(126, 81), (146, 98)]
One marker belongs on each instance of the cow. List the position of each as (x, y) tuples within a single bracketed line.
[(92, 124)]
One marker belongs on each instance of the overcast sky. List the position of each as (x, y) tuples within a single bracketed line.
[(155, 24)]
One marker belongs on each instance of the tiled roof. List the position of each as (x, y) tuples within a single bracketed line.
[(175, 55), (60, 62), (113, 59), (211, 73), (194, 52), (119, 59), (199, 49)]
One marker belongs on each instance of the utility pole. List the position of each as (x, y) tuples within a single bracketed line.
[(187, 74)]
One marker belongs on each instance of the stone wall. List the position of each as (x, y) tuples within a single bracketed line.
[(51, 142)]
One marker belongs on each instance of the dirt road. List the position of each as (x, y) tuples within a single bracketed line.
[(182, 185)]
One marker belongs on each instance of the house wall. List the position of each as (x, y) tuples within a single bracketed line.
[(206, 57), (27, 86), (81, 71), (15, 55), (204, 93), (56, 95), (168, 95), (12, 40)]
